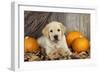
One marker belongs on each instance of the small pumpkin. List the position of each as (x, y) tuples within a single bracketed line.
[(71, 36), (80, 45), (30, 44)]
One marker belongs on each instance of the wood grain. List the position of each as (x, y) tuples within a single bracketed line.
[(34, 22)]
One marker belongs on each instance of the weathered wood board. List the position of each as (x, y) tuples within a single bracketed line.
[(34, 22)]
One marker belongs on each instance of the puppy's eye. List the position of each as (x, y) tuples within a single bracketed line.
[(51, 31), (58, 30)]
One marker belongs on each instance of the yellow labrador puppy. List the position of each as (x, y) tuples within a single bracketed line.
[(53, 39)]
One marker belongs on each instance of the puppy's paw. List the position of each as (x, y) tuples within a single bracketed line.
[(65, 52), (54, 55)]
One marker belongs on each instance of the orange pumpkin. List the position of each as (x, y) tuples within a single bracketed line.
[(30, 44), (80, 45), (71, 36)]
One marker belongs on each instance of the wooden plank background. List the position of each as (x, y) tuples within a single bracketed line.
[(34, 22)]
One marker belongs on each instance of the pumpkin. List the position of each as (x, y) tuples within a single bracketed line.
[(80, 45), (30, 44), (71, 36)]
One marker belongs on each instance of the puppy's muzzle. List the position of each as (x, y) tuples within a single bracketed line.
[(56, 37)]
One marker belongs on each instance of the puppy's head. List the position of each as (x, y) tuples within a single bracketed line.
[(54, 31)]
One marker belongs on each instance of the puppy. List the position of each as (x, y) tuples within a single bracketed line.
[(53, 40)]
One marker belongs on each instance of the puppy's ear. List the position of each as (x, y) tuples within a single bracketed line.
[(45, 31), (63, 29)]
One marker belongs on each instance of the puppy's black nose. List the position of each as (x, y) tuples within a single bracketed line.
[(56, 37)]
